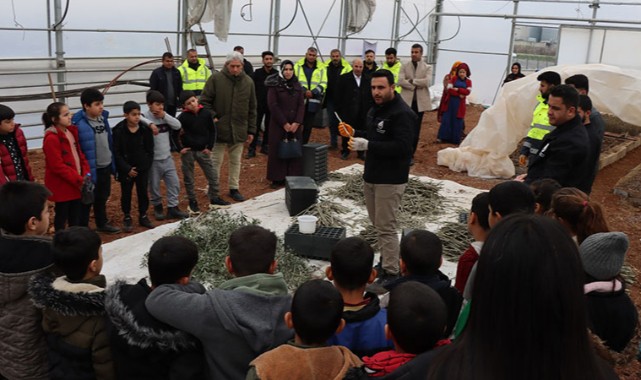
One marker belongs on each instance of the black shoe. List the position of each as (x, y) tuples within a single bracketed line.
[(127, 225), (193, 206), (108, 229), (264, 149), (218, 202), (159, 214), (251, 153), (175, 213), (145, 222), (236, 195), (361, 154), (344, 155)]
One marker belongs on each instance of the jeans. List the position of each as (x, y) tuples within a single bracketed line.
[(164, 170), (206, 164)]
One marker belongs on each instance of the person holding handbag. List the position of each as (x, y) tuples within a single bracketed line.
[(285, 99)]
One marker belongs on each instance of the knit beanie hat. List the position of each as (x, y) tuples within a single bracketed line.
[(603, 254), (184, 96)]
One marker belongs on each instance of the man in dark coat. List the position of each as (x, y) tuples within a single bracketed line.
[(564, 151), (247, 66), (167, 80), (262, 111), (354, 99)]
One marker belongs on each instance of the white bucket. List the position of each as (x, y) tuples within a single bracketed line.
[(307, 224)]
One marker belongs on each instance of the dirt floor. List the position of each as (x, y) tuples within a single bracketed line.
[(620, 214)]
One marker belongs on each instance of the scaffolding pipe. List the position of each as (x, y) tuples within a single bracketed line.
[(277, 26), (396, 26), (49, 47), (526, 17), (595, 7), (60, 53), (342, 39), (515, 11)]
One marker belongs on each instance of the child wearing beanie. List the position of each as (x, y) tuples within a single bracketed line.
[(611, 314)]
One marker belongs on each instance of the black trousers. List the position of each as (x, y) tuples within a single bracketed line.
[(101, 193), (308, 124), (417, 126), (127, 184), (259, 118), (67, 213)]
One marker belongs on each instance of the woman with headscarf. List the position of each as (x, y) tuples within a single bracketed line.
[(515, 74), (286, 105), (452, 109)]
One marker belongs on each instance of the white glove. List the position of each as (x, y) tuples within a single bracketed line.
[(357, 143)]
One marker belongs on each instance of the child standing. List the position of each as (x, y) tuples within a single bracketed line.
[(316, 313), (479, 226), (163, 166), (197, 142), (73, 308), (165, 353), (134, 152), (96, 143), (65, 165), (14, 162), (453, 106)]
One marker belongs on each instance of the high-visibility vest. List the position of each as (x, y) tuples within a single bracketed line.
[(318, 78), (194, 80), (540, 122), (395, 69)]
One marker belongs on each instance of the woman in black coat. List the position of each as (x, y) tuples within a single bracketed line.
[(286, 105)]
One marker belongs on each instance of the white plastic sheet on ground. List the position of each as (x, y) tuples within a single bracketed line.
[(485, 151)]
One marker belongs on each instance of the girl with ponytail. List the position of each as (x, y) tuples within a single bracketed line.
[(581, 216), (65, 164)]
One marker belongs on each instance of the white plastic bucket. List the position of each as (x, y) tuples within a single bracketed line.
[(307, 224)]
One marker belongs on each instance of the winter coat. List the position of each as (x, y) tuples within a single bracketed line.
[(158, 82), (74, 323), (563, 156), (61, 176), (421, 77), (7, 169), (235, 323), (232, 100), (464, 267), (390, 131), (364, 331), (259, 77), (143, 347), (132, 149), (291, 361), (353, 101), (449, 92), (87, 140), (23, 350), (595, 131), (333, 73), (199, 130)]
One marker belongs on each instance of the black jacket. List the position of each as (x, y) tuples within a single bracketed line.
[(132, 149), (247, 67), (595, 130), (415, 369), (612, 317), (563, 156), (368, 72), (158, 82), (259, 77), (200, 130), (390, 135), (441, 284), (353, 101), (143, 347)]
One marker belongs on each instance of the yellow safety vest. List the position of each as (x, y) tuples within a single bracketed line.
[(540, 122), (318, 79), (194, 80), (395, 69)]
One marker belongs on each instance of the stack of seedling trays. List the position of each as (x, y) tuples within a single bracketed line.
[(318, 245), (300, 193), (315, 161)]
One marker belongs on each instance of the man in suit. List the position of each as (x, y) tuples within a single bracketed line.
[(354, 99), (414, 79)]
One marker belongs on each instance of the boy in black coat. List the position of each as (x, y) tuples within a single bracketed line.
[(196, 144), (143, 347), (134, 153)]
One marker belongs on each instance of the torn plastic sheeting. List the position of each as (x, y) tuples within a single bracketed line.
[(360, 12), (485, 151), (218, 11)]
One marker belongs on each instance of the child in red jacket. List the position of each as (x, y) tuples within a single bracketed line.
[(65, 164), (14, 162)]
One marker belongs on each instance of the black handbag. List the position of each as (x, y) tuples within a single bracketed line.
[(289, 148)]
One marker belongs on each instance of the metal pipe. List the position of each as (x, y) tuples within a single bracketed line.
[(397, 24), (474, 52), (515, 11), (343, 26), (49, 45), (525, 17), (595, 7), (276, 26), (60, 53)]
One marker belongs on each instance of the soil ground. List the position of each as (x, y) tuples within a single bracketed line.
[(621, 215)]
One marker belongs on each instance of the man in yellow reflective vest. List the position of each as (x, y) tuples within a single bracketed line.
[(194, 73), (392, 64), (540, 123), (312, 75), (336, 67)]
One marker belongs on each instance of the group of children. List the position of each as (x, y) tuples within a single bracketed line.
[(82, 153), (63, 322)]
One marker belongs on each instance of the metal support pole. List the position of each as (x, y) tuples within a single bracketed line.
[(342, 39), (276, 13), (181, 38), (49, 45), (515, 11), (595, 7), (60, 53), (396, 25), (434, 33)]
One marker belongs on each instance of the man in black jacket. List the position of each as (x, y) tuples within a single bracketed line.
[(167, 80), (353, 100), (388, 144), (262, 108), (564, 151)]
